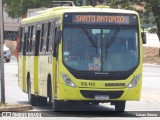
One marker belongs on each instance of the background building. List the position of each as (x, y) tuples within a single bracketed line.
[(10, 27)]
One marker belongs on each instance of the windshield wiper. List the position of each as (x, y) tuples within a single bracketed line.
[(108, 44), (90, 39), (88, 36), (113, 37)]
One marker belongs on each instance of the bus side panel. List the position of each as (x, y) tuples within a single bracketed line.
[(47, 70), (43, 73), (40, 75), (35, 75)]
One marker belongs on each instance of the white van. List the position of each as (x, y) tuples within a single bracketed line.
[(7, 53)]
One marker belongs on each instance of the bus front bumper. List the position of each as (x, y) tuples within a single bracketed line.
[(69, 93)]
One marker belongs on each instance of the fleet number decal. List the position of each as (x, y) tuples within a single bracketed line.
[(87, 83)]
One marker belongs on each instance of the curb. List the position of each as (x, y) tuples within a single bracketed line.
[(151, 65), (16, 108)]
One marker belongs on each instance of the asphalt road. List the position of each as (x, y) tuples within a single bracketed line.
[(150, 98)]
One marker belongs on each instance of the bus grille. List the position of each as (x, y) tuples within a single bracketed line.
[(111, 94)]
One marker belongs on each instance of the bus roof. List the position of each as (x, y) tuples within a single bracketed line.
[(59, 11)]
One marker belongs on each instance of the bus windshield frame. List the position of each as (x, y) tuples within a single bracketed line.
[(103, 47)]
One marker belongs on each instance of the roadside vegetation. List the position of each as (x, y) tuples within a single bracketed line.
[(151, 55)]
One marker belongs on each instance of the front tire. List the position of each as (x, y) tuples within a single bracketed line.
[(120, 106), (49, 93)]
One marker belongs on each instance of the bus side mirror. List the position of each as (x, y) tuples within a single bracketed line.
[(143, 34), (58, 36)]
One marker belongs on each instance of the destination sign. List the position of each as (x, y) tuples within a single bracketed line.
[(101, 19)]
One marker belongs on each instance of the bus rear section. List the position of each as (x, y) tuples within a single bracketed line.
[(99, 59)]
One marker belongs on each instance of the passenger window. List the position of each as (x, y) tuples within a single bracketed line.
[(41, 43), (25, 40), (48, 37), (28, 39), (44, 37), (37, 38), (51, 37), (55, 51), (32, 44)]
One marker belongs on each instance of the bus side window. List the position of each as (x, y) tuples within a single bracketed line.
[(55, 44), (50, 46), (48, 37), (42, 33), (28, 39), (32, 42), (25, 40), (38, 32), (44, 38)]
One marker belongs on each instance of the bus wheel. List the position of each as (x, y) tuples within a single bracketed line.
[(49, 91), (31, 98), (57, 105), (120, 106)]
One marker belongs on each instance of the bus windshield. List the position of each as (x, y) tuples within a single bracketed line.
[(105, 49)]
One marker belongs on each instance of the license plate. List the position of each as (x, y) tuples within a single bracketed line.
[(101, 97)]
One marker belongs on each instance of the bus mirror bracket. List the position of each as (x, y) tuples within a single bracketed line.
[(143, 34), (58, 37)]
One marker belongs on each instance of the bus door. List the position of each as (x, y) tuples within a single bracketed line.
[(31, 58), (45, 58), (56, 41), (49, 53)]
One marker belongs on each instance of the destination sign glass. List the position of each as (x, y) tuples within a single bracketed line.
[(110, 19)]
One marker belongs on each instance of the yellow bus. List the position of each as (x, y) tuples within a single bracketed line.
[(83, 55)]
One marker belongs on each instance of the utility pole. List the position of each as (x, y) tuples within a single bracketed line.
[(2, 86)]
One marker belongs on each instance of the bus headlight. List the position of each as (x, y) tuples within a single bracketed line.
[(67, 80), (134, 82)]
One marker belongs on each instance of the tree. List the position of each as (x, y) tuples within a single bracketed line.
[(146, 9), (18, 8)]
